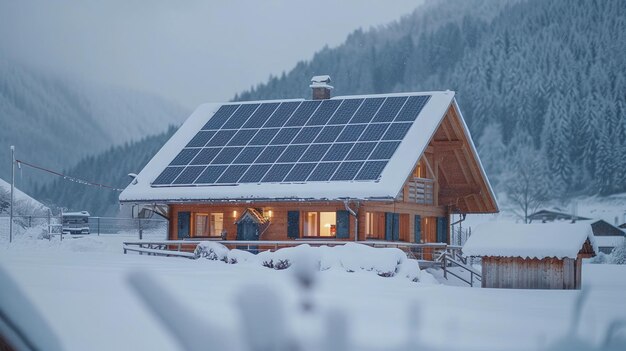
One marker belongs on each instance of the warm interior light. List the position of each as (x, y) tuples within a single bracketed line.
[(234, 214), (269, 213)]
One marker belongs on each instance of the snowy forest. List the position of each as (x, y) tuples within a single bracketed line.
[(541, 84)]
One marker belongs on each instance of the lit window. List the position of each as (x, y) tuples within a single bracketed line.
[(208, 224), (320, 224), (217, 224)]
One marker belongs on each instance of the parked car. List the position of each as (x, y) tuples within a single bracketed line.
[(76, 222)]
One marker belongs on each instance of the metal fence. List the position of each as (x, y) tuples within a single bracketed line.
[(153, 229)]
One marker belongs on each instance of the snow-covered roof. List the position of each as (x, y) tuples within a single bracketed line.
[(25, 199), (535, 240), (77, 214), (386, 186), (609, 241)]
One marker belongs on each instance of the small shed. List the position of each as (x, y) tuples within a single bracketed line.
[(531, 256)]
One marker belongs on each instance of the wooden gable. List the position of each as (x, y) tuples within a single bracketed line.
[(452, 164)]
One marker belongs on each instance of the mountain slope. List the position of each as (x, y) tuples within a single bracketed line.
[(110, 168), (546, 78), (55, 121)]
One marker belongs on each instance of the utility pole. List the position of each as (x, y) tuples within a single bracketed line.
[(12, 190)]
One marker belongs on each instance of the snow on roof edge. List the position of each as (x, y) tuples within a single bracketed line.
[(535, 240)]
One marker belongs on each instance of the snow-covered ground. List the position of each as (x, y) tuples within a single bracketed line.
[(81, 287)]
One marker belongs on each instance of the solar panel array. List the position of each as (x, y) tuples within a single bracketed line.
[(295, 142)]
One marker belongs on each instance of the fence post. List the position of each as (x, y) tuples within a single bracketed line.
[(139, 227), (50, 227), (99, 227)]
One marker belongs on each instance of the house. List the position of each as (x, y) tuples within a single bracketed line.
[(551, 216), (607, 235), (531, 256), (371, 167)]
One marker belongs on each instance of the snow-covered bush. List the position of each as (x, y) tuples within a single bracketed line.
[(600, 258), (211, 251), (350, 257), (618, 255)]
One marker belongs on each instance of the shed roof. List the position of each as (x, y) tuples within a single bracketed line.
[(535, 240)]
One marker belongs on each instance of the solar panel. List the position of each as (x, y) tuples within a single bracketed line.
[(189, 174), (221, 138), (345, 111), (361, 151), (389, 109), (210, 175), (347, 170), (397, 131), (295, 141), (201, 139), (240, 116), (323, 113), (412, 108), (307, 135), (264, 136), (384, 150), (293, 153), (368, 109), (168, 175), (184, 157), (374, 132), (302, 114), (328, 134), (371, 170), (323, 171), (254, 174), (260, 116), (249, 154), (232, 174), (242, 137), (285, 136), (205, 156), (338, 152), (270, 154), (315, 153), (227, 155), (277, 173), (282, 114), (220, 117), (351, 132)]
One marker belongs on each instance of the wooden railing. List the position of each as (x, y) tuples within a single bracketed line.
[(420, 191)]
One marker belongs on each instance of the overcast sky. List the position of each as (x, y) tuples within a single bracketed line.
[(188, 51)]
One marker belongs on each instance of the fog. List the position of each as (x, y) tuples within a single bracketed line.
[(190, 52)]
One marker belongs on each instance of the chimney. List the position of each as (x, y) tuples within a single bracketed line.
[(321, 88)]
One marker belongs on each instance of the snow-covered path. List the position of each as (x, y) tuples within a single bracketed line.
[(80, 286)]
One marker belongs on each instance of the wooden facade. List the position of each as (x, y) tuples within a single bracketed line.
[(446, 179), (533, 273)]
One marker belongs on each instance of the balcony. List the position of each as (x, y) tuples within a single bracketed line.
[(419, 191)]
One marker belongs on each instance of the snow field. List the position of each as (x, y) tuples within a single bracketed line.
[(81, 287)]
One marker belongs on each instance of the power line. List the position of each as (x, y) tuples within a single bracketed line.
[(67, 177)]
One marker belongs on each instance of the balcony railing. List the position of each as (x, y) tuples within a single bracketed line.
[(420, 191)]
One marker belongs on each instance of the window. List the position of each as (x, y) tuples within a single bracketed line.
[(374, 225), (429, 229), (208, 224), (320, 224)]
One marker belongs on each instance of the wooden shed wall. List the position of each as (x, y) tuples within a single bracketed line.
[(519, 273)]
